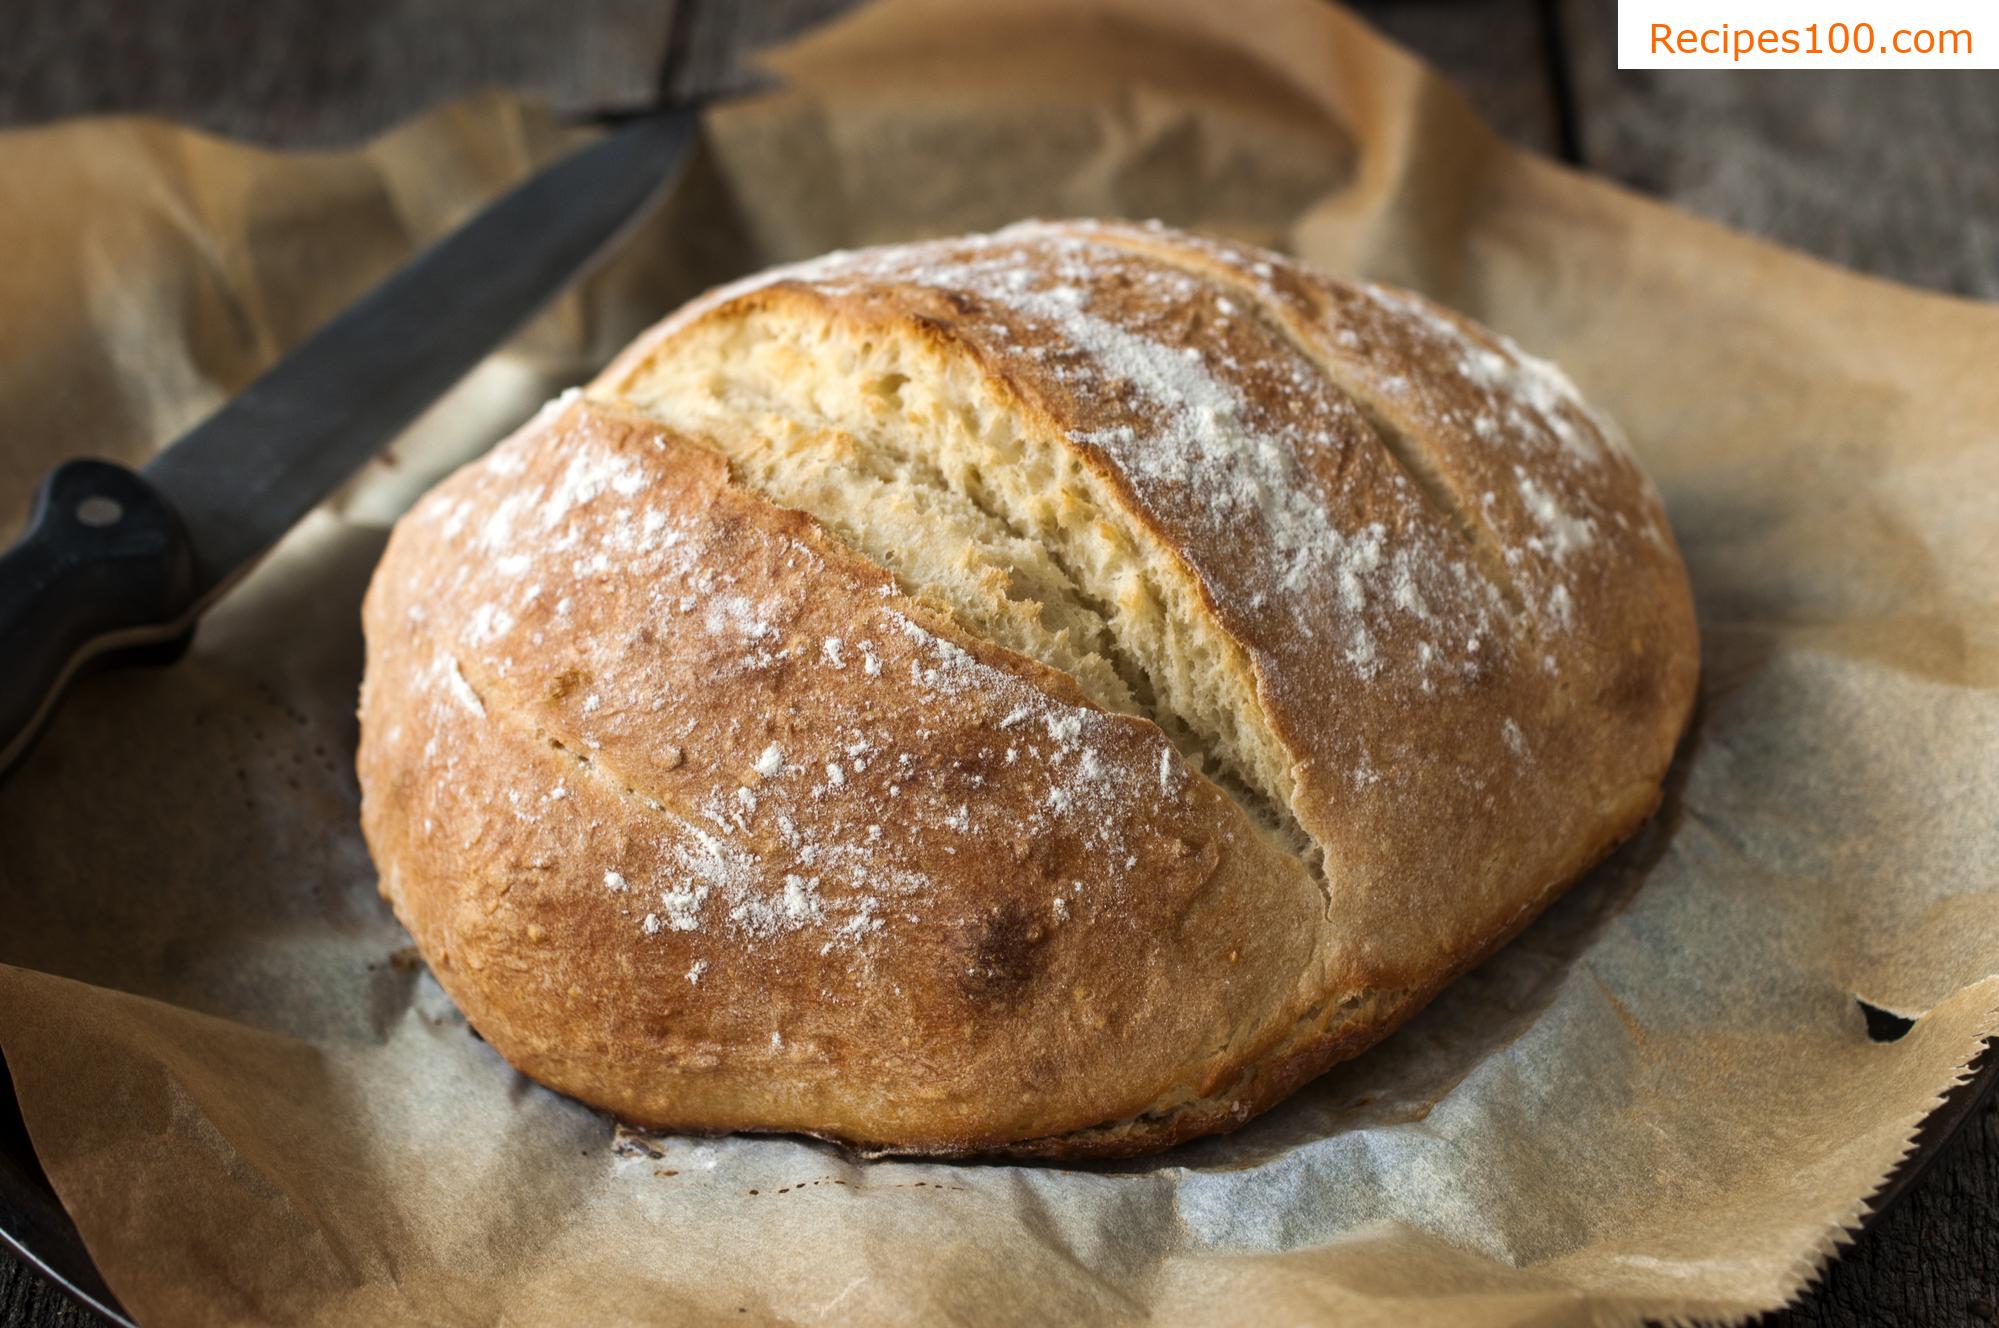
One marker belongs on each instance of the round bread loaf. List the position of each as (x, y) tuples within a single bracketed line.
[(1050, 693)]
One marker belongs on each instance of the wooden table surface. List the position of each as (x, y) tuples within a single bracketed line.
[(1890, 172)]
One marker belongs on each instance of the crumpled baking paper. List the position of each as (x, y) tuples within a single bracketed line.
[(1660, 1101)]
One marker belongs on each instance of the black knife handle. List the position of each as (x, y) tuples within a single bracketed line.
[(104, 572)]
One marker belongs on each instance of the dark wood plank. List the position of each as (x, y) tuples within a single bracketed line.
[(1932, 1258), (304, 72), (1888, 171), (1495, 51), (716, 38), (27, 1298)]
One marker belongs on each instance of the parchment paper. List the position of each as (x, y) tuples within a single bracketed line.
[(1661, 1100)]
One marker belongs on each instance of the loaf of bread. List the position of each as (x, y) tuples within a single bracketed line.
[(1047, 693)]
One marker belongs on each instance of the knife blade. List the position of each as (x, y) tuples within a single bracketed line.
[(118, 564)]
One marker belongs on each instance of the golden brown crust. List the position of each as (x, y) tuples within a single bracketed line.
[(702, 819), (1000, 883)]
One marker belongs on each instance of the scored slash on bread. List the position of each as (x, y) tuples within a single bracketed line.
[(1051, 692)]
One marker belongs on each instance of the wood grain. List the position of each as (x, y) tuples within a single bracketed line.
[(1932, 1258), (27, 1298), (1892, 173), (307, 73), (1497, 52)]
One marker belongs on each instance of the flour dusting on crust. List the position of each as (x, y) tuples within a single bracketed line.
[(1355, 634), (767, 834)]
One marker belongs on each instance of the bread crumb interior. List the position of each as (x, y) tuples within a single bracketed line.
[(918, 461)]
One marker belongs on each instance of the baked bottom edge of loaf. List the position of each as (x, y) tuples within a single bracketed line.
[(1074, 638)]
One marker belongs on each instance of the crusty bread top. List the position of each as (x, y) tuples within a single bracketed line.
[(1049, 690), (1438, 597), (670, 786)]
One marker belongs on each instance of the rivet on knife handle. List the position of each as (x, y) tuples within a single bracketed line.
[(115, 558), (103, 569)]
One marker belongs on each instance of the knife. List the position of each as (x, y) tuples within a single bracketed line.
[(116, 565)]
